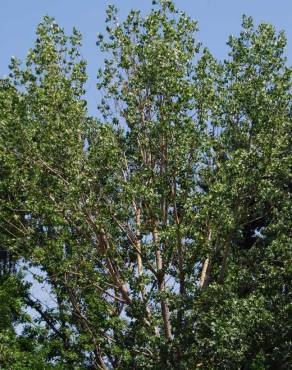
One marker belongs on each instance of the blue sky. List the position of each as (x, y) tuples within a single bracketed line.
[(217, 20)]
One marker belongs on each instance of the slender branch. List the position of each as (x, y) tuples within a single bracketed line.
[(36, 305), (162, 287), (56, 172), (204, 280)]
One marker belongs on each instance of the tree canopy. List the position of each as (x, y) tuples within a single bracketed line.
[(162, 226)]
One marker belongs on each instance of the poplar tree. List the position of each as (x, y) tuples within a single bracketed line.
[(162, 226)]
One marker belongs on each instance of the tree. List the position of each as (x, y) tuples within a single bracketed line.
[(161, 228)]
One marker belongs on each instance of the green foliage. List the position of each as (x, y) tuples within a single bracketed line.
[(162, 230)]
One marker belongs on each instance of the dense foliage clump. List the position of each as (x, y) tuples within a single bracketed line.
[(162, 228)]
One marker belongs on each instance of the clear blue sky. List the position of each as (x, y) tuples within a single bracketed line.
[(217, 20)]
